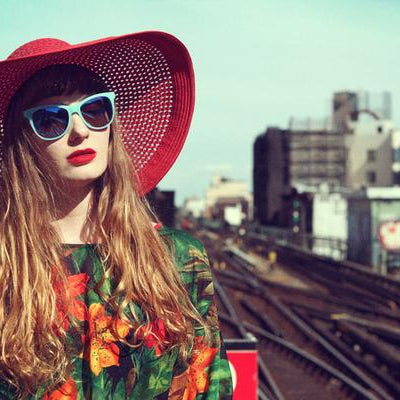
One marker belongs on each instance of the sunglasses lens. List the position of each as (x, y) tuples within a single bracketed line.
[(98, 112), (50, 122)]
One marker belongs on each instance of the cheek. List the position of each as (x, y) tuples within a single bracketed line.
[(104, 145), (51, 151), (54, 152)]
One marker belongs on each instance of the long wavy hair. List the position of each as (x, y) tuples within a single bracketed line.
[(33, 347)]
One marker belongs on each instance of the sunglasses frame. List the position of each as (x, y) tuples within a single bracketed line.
[(71, 109)]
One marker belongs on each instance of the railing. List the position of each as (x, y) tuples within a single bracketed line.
[(325, 246)]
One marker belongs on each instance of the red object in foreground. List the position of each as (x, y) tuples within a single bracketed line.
[(242, 356)]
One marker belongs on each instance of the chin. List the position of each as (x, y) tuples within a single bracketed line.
[(80, 180), (84, 175)]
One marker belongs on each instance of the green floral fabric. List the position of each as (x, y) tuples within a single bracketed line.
[(106, 368)]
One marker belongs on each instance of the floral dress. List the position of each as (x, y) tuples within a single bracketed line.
[(105, 368)]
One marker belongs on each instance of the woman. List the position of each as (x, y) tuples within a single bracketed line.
[(96, 300)]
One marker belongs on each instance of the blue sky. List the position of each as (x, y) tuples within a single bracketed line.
[(257, 62)]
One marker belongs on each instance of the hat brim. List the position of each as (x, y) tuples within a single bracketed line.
[(152, 76)]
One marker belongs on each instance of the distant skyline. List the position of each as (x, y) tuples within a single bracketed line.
[(257, 63)]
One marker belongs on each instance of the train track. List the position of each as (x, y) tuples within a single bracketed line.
[(336, 336), (350, 274)]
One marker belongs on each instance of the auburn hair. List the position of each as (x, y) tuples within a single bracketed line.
[(33, 346)]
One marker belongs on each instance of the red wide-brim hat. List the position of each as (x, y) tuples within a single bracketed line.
[(152, 76)]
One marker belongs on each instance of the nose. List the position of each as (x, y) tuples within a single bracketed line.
[(79, 130)]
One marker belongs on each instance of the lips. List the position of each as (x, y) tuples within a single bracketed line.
[(81, 157)]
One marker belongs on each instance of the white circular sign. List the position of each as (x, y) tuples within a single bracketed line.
[(389, 235), (234, 375)]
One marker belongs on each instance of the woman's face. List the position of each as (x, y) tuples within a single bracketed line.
[(81, 155)]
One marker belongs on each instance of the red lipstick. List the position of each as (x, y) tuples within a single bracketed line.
[(81, 157)]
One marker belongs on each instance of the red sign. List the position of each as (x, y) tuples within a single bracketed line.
[(389, 235), (243, 365)]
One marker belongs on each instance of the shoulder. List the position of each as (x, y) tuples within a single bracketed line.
[(183, 245), (190, 257), (179, 236), (193, 265)]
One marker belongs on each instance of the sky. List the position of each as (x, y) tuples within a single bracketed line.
[(257, 63)]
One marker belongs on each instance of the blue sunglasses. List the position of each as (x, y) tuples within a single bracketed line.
[(54, 121)]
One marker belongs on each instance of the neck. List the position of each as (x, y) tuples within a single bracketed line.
[(73, 211)]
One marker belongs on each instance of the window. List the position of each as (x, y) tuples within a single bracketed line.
[(396, 155), (371, 155), (371, 176)]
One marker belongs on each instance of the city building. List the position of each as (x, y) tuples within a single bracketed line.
[(345, 109), (329, 222), (359, 225), (163, 204), (316, 157), (360, 148), (227, 200), (285, 159), (370, 154), (270, 176), (368, 210), (349, 106), (330, 213), (194, 206), (396, 156)]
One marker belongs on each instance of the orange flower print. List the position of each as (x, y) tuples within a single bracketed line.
[(77, 285), (155, 336), (198, 379), (102, 352), (67, 391)]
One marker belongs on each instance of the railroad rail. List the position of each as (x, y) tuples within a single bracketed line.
[(336, 336)]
